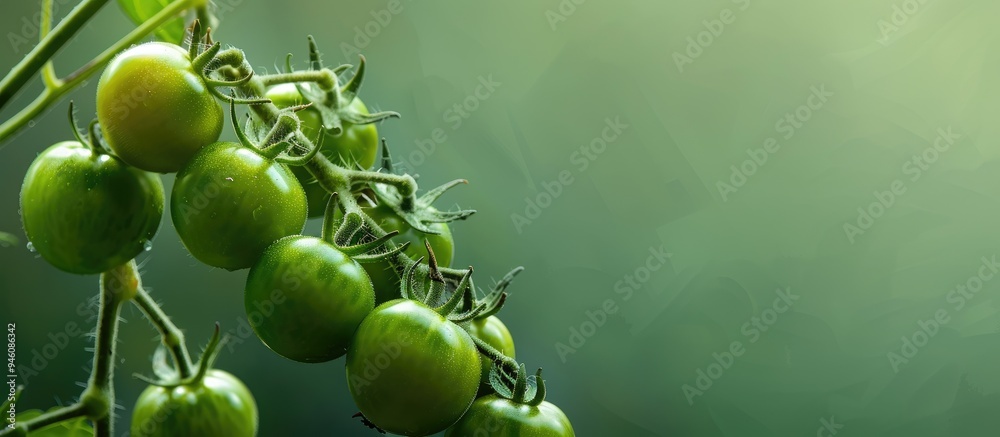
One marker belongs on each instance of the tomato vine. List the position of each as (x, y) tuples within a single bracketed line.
[(432, 302)]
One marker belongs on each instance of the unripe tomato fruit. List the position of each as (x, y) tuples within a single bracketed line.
[(410, 370), (229, 203), (492, 331), (154, 109), (358, 143), (86, 212), (498, 417), (305, 298), (386, 281), (217, 406)]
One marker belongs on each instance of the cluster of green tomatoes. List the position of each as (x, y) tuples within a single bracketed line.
[(414, 366)]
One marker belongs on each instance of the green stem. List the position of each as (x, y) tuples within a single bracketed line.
[(170, 334), (118, 285), (76, 78), (49, 69), (406, 185), (332, 177), (50, 418), (201, 11), (325, 78), (47, 48)]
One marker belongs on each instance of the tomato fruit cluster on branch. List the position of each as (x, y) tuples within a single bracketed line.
[(425, 351)]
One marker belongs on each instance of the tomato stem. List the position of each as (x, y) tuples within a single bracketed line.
[(47, 48), (53, 41), (208, 357), (171, 336), (118, 285), (325, 78), (48, 70), (47, 419)]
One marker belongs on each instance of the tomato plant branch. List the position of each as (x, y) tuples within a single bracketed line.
[(47, 48), (171, 336), (48, 70), (97, 401), (118, 286), (13, 81), (47, 419), (406, 185), (325, 78)]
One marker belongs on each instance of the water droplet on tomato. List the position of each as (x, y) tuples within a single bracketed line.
[(147, 245), (31, 247)]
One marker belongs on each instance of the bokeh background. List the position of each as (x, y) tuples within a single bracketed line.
[(887, 321)]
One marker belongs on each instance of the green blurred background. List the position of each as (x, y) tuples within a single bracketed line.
[(857, 352)]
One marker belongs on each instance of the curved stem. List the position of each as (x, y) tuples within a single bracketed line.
[(49, 69), (324, 78), (76, 78), (47, 48), (170, 334), (406, 185)]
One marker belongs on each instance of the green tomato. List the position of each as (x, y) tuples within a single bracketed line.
[(384, 279), (498, 417), (358, 143), (305, 298), (218, 406), (229, 203), (86, 212), (155, 110), (410, 370), (492, 331)]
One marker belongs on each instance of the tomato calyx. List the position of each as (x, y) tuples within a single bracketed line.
[(277, 141), (449, 292), (215, 65), (332, 100), (93, 139), (418, 212), (350, 234), (527, 390), (167, 375)]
